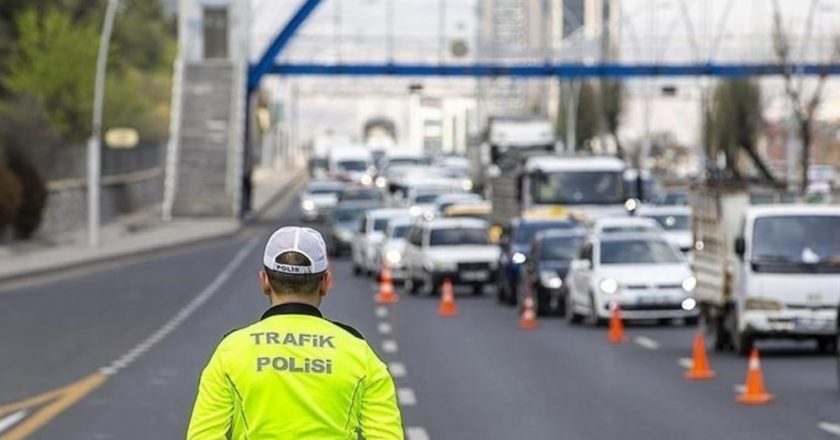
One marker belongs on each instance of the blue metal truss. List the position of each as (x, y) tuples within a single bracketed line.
[(267, 64), (566, 70)]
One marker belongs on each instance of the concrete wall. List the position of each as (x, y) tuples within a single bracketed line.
[(66, 208)]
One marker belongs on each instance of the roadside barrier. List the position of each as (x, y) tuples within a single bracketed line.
[(528, 318)]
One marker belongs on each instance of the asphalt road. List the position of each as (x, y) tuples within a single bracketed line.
[(472, 376)]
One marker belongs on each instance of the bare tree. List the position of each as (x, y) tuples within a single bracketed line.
[(804, 107)]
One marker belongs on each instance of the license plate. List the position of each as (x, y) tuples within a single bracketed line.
[(652, 299), (812, 323), (474, 275)]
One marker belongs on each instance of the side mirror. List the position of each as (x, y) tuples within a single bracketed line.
[(740, 247)]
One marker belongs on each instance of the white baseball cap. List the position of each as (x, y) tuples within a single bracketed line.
[(305, 241)]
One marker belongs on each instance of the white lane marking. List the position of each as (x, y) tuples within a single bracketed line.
[(739, 388), (830, 428), (390, 346), (686, 363), (11, 420), (397, 369), (416, 433), (406, 397), (384, 328), (381, 311), (182, 315), (646, 342)]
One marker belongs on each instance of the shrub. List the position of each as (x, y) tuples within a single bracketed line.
[(10, 197), (34, 192)]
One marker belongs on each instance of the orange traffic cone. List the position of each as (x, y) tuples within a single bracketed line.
[(754, 393), (386, 293), (700, 366), (616, 332), (447, 305), (528, 319)]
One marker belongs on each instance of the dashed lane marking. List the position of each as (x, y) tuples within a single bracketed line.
[(645, 342), (739, 388), (406, 397), (416, 433), (10, 420), (381, 311), (397, 369), (39, 410), (384, 328), (390, 346), (831, 428), (686, 363)]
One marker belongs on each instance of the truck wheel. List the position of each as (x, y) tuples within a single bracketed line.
[(743, 343), (827, 345)]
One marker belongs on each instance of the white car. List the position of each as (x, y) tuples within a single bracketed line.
[(318, 198), (643, 274), (612, 225), (675, 222), (447, 248), (369, 235), (391, 251)]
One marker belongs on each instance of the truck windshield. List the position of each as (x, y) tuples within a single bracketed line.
[(578, 188), (345, 215), (353, 165), (796, 244), (526, 231), (457, 236), (638, 251)]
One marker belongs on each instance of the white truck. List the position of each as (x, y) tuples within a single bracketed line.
[(588, 187), (765, 271), (504, 136)]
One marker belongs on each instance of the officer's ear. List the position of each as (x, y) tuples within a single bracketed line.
[(265, 285), (326, 283)]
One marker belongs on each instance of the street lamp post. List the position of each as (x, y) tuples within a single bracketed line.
[(94, 143)]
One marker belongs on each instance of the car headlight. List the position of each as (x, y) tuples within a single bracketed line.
[(308, 205), (518, 258), (765, 304), (467, 185), (689, 284), (393, 256), (550, 279), (609, 286), (366, 180), (380, 182), (344, 234), (688, 304)]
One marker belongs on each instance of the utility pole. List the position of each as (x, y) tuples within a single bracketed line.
[(94, 146)]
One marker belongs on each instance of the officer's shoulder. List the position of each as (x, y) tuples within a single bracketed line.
[(348, 329)]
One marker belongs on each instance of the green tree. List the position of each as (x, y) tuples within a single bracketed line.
[(55, 65), (735, 124), (586, 119), (611, 94)]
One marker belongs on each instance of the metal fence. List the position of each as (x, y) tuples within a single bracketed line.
[(70, 162)]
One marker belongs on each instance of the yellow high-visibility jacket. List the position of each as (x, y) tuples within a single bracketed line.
[(295, 375)]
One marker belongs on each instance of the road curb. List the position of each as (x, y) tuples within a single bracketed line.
[(160, 247)]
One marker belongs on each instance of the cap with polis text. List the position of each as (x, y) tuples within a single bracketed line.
[(306, 241)]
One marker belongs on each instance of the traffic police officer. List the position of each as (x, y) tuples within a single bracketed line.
[(294, 374)]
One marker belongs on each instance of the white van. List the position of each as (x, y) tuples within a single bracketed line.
[(351, 163)]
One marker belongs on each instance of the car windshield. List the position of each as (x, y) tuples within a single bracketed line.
[(380, 224), (637, 251), (323, 188), (456, 173), (626, 228), (353, 165), (344, 215), (590, 187), (673, 222), (560, 248), (361, 194), (400, 231), (458, 236), (791, 244), (425, 198), (395, 162), (526, 231)]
